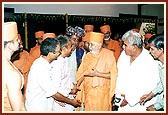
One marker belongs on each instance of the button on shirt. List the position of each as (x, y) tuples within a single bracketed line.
[(40, 87)]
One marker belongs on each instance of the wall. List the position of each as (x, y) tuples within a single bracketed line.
[(111, 9), (93, 9), (155, 10)]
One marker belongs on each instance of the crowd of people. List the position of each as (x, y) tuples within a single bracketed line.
[(83, 70)]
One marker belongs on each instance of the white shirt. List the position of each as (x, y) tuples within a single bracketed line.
[(136, 79), (61, 77), (39, 87)]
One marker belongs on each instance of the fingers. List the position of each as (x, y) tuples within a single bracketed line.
[(143, 99), (78, 89)]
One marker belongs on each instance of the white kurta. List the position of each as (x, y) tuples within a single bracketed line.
[(39, 87), (136, 79), (61, 78)]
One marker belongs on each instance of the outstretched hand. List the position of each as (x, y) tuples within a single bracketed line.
[(145, 98), (76, 103)]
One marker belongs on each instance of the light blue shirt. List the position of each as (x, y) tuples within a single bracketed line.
[(159, 89)]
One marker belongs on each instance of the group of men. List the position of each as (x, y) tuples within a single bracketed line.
[(66, 76)]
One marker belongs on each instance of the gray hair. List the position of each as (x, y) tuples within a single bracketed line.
[(133, 38), (63, 40)]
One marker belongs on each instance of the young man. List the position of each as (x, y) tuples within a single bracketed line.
[(40, 87), (156, 45), (13, 80)]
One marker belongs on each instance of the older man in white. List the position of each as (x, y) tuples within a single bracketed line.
[(137, 73), (61, 76)]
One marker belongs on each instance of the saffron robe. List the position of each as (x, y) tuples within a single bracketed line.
[(96, 92)]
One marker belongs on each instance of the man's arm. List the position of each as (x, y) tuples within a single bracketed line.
[(96, 73), (61, 98), (14, 83)]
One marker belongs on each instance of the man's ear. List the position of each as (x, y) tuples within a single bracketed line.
[(49, 53), (110, 33), (162, 50), (63, 48), (135, 47)]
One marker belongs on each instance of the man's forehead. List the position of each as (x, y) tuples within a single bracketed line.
[(74, 36), (125, 41), (151, 44)]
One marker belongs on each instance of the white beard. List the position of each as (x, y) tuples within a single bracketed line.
[(94, 52)]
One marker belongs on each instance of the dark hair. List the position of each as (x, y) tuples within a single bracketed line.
[(48, 45), (63, 40), (157, 41)]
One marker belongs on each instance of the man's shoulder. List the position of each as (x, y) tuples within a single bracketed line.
[(107, 51), (114, 41), (12, 75), (34, 49)]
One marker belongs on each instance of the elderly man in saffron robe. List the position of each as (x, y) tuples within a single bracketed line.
[(97, 76)]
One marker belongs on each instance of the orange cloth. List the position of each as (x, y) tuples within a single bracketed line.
[(96, 92), (96, 37), (33, 54), (21, 61), (115, 47), (88, 28), (10, 31), (148, 35), (39, 34), (105, 28)]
